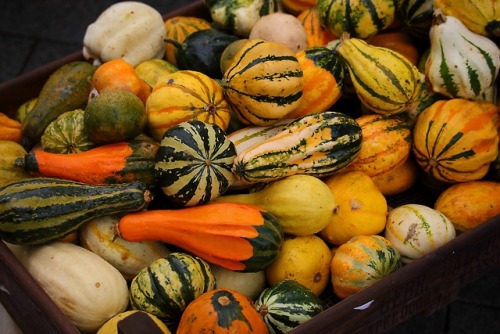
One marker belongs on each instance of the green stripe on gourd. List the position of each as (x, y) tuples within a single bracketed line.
[(416, 16), (40, 210)]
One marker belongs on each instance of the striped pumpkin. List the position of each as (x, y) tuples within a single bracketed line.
[(263, 82), (286, 305), (178, 28), (359, 18), (41, 210), (193, 163), (318, 144), (456, 140), (168, 285), (461, 63), (317, 35), (386, 144), (186, 95), (416, 16)]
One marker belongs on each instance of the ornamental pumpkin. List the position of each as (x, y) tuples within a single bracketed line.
[(221, 311), (362, 261), (361, 207), (317, 35), (456, 140), (183, 96), (10, 129)]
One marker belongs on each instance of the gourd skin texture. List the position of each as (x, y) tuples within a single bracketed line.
[(86, 288)]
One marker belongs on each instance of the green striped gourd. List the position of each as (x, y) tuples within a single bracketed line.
[(318, 144), (40, 210), (238, 17), (168, 285), (286, 305), (461, 63), (193, 163), (385, 81), (416, 16), (359, 18), (263, 82)]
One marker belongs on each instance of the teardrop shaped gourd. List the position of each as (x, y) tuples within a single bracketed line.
[(303, 204), (385, 81), (461, 63)]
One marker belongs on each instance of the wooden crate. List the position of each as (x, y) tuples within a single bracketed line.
[(420, 287)]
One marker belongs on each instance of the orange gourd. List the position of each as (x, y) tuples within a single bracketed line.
[(221, 311), (10, 129), (297, 6), (317, 35), (118, 74), (399, 179)]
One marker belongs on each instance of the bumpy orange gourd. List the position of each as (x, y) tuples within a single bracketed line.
[(361, 207), (118, 74), (10, 129), (221, 311)]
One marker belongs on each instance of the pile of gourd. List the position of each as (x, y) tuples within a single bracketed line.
[(165, 179)]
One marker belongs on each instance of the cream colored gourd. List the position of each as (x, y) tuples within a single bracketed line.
[(130, 30), (416, 230), (86, 288), (303, 204), (461, 63), (99, 236), (251, 284)]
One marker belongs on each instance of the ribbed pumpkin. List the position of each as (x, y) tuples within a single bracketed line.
[(456, 140), (178, 28), (193, 163), (168, 285), (317, 35), (323, 80), (362, 261), (221, 311), (263, 82), (186, 95), (386, 143)]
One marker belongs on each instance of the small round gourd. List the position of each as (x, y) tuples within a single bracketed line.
[(416, 230)]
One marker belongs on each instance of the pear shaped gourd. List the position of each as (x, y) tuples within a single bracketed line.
[(303, 204)]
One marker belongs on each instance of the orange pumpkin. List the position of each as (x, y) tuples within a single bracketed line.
[(317, 35), (10, 129), (397, 41), (221, 311), (118, 74), (399, 179)]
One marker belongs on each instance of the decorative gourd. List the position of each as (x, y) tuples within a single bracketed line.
[(98, 235), (361, 208), (201, 51), (416, 229), (68, 88), (456, 140), (318, 144), (297, 6), (386, 144), (235, 236), (251, 284), (168, 285), (178, 28), (399, 179), (469, 204), (398, 41), (67, 134), (362, 261), (24, 109), (41, 210), (385, 81), (461, 63), (119, 74), (193, 163), (86, 288), (286, 305), (303, 204), (323, 80), (479, 16), (183, 96), (152, 70), (416, 16), (131, 30), (426, 98), (9, 152), (238, 17), (221, 311), (134, 320), (361, 19), (105, 164), (263, 82), (317, 35), (10, 129)]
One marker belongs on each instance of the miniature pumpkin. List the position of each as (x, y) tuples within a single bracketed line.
[(361, 207), (221, 311)]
